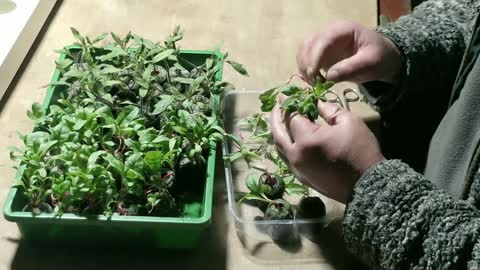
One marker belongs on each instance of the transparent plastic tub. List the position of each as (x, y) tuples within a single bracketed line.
[(289, 241)]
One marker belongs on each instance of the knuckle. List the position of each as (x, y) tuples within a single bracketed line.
[(375, 57)]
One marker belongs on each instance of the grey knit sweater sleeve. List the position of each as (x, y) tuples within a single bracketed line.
[(432, 40), (399, 220)]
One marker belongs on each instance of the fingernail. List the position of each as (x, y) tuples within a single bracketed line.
[(309, 72), (332, 74)]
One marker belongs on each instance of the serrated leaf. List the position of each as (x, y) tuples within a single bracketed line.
[(328, 85), (289, 103), (290, 89), (269, 99)]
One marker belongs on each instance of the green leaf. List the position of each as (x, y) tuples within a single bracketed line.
[(114, 53), (127, 115), (143, 92), (110, 83), (172, 143), (184, 80), (289, 104), (117, 39), (109, 70), (79, 124), (37, 111), (269, 99), (46, 146), (153, 160), (134, 161), (77, 35), (209, 63), (64, 63), (328, 85), (115, 163), (133, 174), (42, 172), (161, 106), (159, 57), (238, 67), (252, 197), (233, 156), (296, 189), (252, 183), (92, 160), (290, 89), (100, 38), (147, 73)]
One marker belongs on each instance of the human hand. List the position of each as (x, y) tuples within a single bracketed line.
[(330, 157), (350, 52)]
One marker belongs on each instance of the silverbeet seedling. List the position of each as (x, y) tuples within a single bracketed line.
[(131, 117), (301, 100)]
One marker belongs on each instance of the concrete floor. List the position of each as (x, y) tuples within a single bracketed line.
[(263, 35)]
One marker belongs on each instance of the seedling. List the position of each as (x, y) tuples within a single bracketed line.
[(131, 116)]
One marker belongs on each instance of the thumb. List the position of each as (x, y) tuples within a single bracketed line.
[(358, 68), (332, 113)]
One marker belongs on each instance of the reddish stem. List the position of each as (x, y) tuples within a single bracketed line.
[(168, 174), (301, 77)]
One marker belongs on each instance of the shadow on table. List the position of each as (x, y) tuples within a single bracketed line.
[(210, 254), (333, 248)]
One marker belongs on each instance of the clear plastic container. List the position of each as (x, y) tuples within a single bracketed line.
[(292, 241)]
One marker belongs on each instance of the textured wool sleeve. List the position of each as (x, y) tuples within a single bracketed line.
[(398, 220), (432, 41)]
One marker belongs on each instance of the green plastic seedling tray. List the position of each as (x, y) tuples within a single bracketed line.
[(116, 231)]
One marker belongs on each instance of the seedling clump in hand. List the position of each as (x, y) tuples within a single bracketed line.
[(301, 100)]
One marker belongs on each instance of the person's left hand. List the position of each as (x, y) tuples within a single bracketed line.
[(329, 157)]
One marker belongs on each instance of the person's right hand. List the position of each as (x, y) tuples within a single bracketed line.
[(350, 52)]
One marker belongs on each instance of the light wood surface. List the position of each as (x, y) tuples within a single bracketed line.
[(261, 34)]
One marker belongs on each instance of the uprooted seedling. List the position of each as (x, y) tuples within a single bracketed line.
[(301, 100)]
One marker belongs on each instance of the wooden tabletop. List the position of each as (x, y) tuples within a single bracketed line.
[(261, 34)]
